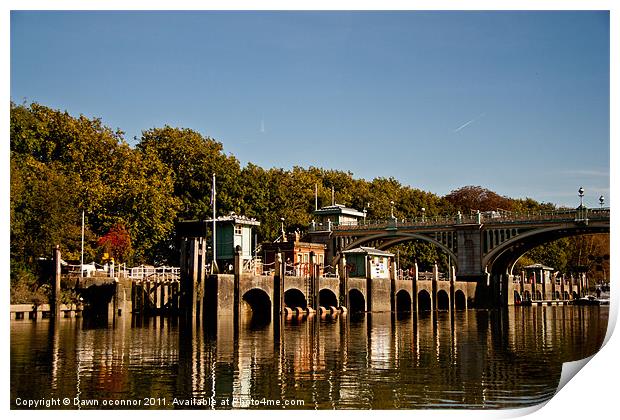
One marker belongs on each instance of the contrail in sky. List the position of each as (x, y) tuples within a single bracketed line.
[(262, 126), (467, 123)]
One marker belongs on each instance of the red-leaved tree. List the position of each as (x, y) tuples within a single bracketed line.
[(117, 243)]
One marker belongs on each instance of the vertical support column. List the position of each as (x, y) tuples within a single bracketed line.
[(147, 296), (522, 283), (368, 284), (543, 280), (174, 292), (133, 296), (237, 282), (55, 303), (434, 285), (393, 277), (314, 281), (452, 275), (344, 287), (115, 306), (278, 292), (414, 288), (185, 280), (162, 294), (194, 278), (201, 277)]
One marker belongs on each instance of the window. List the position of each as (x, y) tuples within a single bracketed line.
[(237, 230)]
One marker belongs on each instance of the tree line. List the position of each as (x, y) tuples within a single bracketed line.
[(62, 165)]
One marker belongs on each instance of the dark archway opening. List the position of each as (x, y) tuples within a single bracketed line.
[(327, 298), (403, 301), (460, 301), (257, 305), (294, 298), (538, 295), (357, 303), (575, 295), (503, 258), (527, 296), (566, 295), (443, 300), (424, 301)]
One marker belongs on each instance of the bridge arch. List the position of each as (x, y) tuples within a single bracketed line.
[(257, 304), (424, 301), (403, 301), (357, 303), (327, 298), (294, 298), (443, 300), (460, 301), (395, 238), (502, 259)]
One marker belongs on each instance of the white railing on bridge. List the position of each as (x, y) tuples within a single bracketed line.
[(579, 214), (144, 272)]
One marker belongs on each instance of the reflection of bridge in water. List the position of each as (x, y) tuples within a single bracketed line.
[(501, 358)]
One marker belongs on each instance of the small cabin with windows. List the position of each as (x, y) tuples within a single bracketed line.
[(295, 253), (359, 260), (231, 230), (337, 215)]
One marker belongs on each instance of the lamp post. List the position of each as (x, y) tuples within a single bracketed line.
[(580, 197), (392, 209), (601, 201), (423, 214)]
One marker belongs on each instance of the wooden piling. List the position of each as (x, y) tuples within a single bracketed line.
[(55, 303)]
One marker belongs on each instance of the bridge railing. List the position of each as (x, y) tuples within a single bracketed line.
[(425, 276), (579, 214), (143, 272)]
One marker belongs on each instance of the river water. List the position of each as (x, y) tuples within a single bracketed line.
[(507, 358)]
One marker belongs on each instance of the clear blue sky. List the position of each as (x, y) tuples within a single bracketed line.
[(514, 101)]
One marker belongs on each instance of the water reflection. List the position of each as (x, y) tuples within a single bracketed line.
[(465, 359)]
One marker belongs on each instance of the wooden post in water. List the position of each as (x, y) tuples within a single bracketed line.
[(202, 257), (55, 303), (414, 288), (342, 274), (393, 278), (434, 285), (237, 267), (368, 283), (278, 295), (194, 278), (452, 275), (133, 296), (314, 281)]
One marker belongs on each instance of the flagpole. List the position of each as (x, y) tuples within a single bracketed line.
[(82, 249), (214, 264), (316, 196)]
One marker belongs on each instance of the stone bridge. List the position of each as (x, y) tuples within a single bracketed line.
[(483, 247)]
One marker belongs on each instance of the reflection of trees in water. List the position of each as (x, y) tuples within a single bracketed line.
[(469, 358)]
